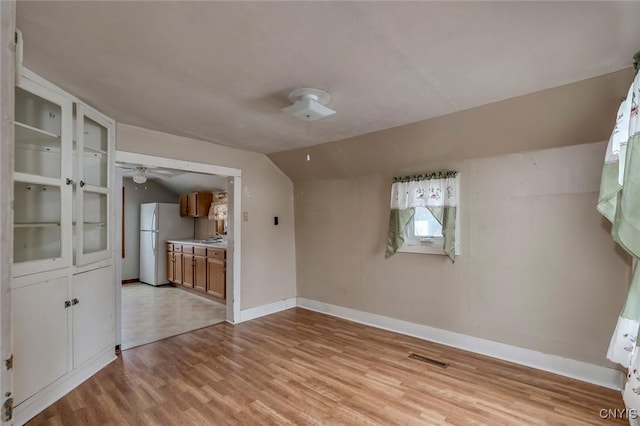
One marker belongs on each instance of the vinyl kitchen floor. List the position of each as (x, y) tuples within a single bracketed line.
[(152, 313)]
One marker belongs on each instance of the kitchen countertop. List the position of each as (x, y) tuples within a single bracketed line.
[(204, 243)]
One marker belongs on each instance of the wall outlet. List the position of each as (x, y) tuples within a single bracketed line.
[(245, 216)]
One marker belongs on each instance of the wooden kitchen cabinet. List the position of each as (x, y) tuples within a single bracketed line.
[(195, 204), (184, 207), (187, 266), (216, 277), (199, 267), (174, 263), (177, 268), (199, 203), (216, 273), (170, 264)]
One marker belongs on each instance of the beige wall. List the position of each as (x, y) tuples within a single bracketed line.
[(538, 267), (268, 251)]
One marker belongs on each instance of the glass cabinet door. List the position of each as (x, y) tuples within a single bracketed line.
[(37, 229), (42, 183), (37, 127), (94, 135)]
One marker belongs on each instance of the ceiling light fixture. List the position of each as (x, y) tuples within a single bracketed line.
[(140, 176), (309, 104)]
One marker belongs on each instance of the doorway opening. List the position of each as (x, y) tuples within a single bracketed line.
[(177, 247)]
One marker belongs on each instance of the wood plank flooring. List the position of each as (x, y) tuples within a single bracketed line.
[(304, 368)]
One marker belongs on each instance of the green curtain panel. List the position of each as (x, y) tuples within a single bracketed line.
[(438, 192), (626, 226), (619, 202), (398, 222), (446, 216)]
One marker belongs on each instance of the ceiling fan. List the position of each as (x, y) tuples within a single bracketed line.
[(141, 173)]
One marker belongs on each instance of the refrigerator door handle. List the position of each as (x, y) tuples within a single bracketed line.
[(153, 219), (153, 235)]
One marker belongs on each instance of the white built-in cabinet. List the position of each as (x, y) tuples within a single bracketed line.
[(60, 324), (63, 284), (63, 166)]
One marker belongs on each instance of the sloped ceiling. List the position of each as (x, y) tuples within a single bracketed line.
[(177, 181), (221, 71), (576, 113)]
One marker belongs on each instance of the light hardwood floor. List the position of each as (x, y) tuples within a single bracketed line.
[(305, 368), (152, 313)]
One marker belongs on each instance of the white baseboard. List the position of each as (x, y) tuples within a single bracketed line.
[(590, 373), (40, 401), (270, 308)]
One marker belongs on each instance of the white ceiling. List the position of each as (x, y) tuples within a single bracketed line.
[(178, 181), (221, 71)]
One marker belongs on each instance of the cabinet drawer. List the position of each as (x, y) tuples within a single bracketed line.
[(187, 249), (200, 251), (169, 246), (217, 253)]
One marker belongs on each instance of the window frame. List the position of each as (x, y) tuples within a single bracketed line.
[(434, 245)]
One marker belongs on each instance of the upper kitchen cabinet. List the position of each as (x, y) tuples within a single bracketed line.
[(199, 203), (195, 204), (62, 175), (184, 207)]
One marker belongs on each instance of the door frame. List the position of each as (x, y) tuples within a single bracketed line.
[(7, 106), (234, 177)]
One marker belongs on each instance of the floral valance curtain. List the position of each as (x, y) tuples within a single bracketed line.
[(619, 202), (435, 191)]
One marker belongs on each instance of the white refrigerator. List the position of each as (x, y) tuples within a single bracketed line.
[(160, 222)]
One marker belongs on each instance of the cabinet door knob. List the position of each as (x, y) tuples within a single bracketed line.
[(69, 181), (75, 301), (67, 303), (82, 183)]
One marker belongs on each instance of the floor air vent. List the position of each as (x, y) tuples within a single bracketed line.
[(429, 360)]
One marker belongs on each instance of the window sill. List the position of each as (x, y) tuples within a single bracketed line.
[(421, 248), (424, 249)]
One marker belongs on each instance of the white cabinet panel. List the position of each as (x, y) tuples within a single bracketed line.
[(93, 298), (41, 338)]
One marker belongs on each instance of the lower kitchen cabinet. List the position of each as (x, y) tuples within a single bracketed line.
[(170, 266), (216, 277), (187, 270), (177, 265), (199, 267), (174, 263)]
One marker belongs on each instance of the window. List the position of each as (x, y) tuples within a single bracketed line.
[(412, 226), (424, 234)]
